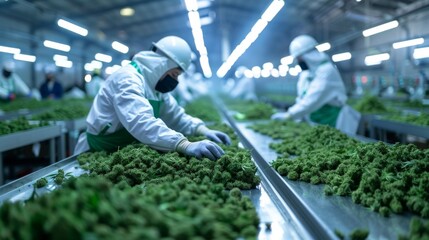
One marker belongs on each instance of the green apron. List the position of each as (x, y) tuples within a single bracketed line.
[(120, 138), (327, 114)]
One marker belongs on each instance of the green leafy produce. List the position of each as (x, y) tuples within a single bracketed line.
[(250, 109), (421, 119), (204, 109), (19, 124), (94, 208), (71, 110), (370, 104), (381, 177), (21, 103), (418, 230), (359, 234), (41, 183)]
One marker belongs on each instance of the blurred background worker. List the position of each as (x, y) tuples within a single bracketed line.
[(11, 85), (93, 87), (244, 87), (51, 88), (321, 91), (135, 106)]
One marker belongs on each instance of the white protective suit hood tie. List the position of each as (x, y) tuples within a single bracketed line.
[(153, 65), (314, 59)]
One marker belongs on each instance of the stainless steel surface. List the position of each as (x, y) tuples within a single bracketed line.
[(24, 138), (398, 127), (335, 211), (21, 189)]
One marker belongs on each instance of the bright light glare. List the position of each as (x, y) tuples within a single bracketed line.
[(56, 45), (272, 10), (58, 57), (408, 43), (72, 27), (421, 53), (120, 47), (64, 64), (97, 64), (248, 73), (103, 57), (341, 57), (323, 47), (191, 5), (125, 62), (88, 78), (287, 60), (88, 67), (380, 28), (268, 65), (376, 59), (10, 50), (24, 57)]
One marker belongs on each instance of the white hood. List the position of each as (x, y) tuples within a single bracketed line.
[(314, 58), (153, 65)]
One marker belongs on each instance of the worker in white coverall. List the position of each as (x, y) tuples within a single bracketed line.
[(11, 85), (321, 91), (135, 106), (244, 87)]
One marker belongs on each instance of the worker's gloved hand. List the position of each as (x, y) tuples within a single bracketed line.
[(215, 136), (200, 149), (11, 96), (281, 116)]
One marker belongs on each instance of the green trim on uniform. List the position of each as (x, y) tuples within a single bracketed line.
[(121, 138), (326, 115), (111, 142)]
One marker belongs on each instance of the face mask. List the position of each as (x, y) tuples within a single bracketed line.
[(6, 73), (167, 84), (303, 65)]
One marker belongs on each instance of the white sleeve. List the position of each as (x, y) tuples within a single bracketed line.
[(316, 96), (4, 91), (20, 87), (136, 114), (176, 118)]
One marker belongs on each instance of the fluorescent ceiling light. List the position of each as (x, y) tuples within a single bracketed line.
[(24, 57), (408, 43), (127, 11), (120, 47), (103, 57), (380, 28), (323, 47), (421, 53), (283, 69), (89, 67), (204, 62), (265, 73), (275, 73), (268, 65), (96, 64), (204, 3), (248, 73), (10, 50), (376, 59), (191, 5), (272, 10), (125, 62), (194, 20), (259, 26), (341, 57), (88, 78), (72, 27), (58, 57), (55, 45), (287, 60), (64, 64), (206, 20)]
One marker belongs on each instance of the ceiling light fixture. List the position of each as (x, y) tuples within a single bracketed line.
[(10, 50), (127, 12), (24, 57), (408, 43), (103, 57), (72, 27), (259, 26), (120, 47), (341, 56), (380, 28), (56, 45)]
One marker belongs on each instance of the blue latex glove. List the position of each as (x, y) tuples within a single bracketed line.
[(200, 149), (281, 116), (218, 137)]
